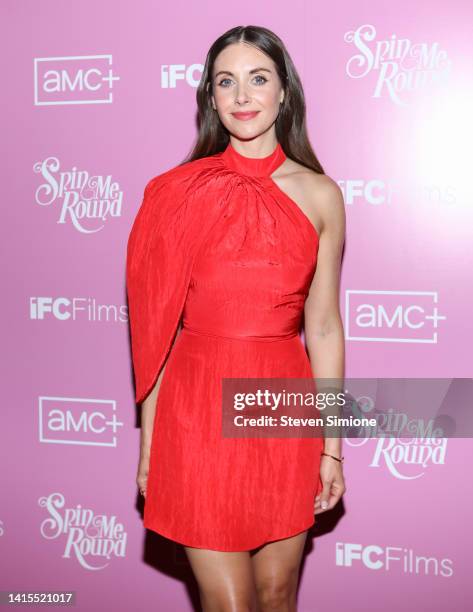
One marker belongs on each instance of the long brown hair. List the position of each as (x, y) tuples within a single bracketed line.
[(290, 125)]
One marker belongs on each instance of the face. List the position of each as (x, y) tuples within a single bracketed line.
[(247, 91)]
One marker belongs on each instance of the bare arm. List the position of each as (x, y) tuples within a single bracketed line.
[(323, 323), (148, 413)]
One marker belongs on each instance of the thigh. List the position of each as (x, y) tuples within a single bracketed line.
[(276, 565), (225, 579)]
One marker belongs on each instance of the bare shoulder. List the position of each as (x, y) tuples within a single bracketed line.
[(318, 195), (325, 196)]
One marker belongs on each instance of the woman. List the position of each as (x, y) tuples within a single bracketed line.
[(239, 243)]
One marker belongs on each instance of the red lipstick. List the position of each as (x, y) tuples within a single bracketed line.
[(246, 115)]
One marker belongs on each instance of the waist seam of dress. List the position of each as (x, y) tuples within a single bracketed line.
[(199, 332)]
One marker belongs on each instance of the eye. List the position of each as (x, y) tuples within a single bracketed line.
[(263, 81), (260, 80)]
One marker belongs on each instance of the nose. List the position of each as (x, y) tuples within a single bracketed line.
[(242, 96)]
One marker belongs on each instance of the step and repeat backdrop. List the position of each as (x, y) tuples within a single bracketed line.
[(98, 97)]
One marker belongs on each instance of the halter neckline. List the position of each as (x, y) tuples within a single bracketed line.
[(253, 166)]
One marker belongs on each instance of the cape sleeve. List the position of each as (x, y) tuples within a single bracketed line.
[(161, 248)]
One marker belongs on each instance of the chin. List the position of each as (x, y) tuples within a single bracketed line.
[(247, 134)]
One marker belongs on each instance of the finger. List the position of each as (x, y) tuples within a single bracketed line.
[(325, 496), (318, 504)]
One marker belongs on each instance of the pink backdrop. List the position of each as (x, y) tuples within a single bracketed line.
[(108, 89)]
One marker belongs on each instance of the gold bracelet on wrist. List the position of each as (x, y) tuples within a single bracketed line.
[(336, 458)]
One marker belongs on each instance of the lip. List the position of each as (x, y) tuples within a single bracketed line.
[(245, 116)]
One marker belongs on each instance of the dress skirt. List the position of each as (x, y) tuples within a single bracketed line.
[(228, 494)]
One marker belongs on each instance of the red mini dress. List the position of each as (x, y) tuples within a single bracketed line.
[(218, 245)]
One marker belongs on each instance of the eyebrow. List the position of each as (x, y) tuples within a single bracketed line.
[(251, 71)]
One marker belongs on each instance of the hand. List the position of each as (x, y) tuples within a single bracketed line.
[(331, 475), (142, 475)]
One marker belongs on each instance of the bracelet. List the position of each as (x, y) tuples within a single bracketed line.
[(336, 458)]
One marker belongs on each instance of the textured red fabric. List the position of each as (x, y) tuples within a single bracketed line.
[(219, 244)]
